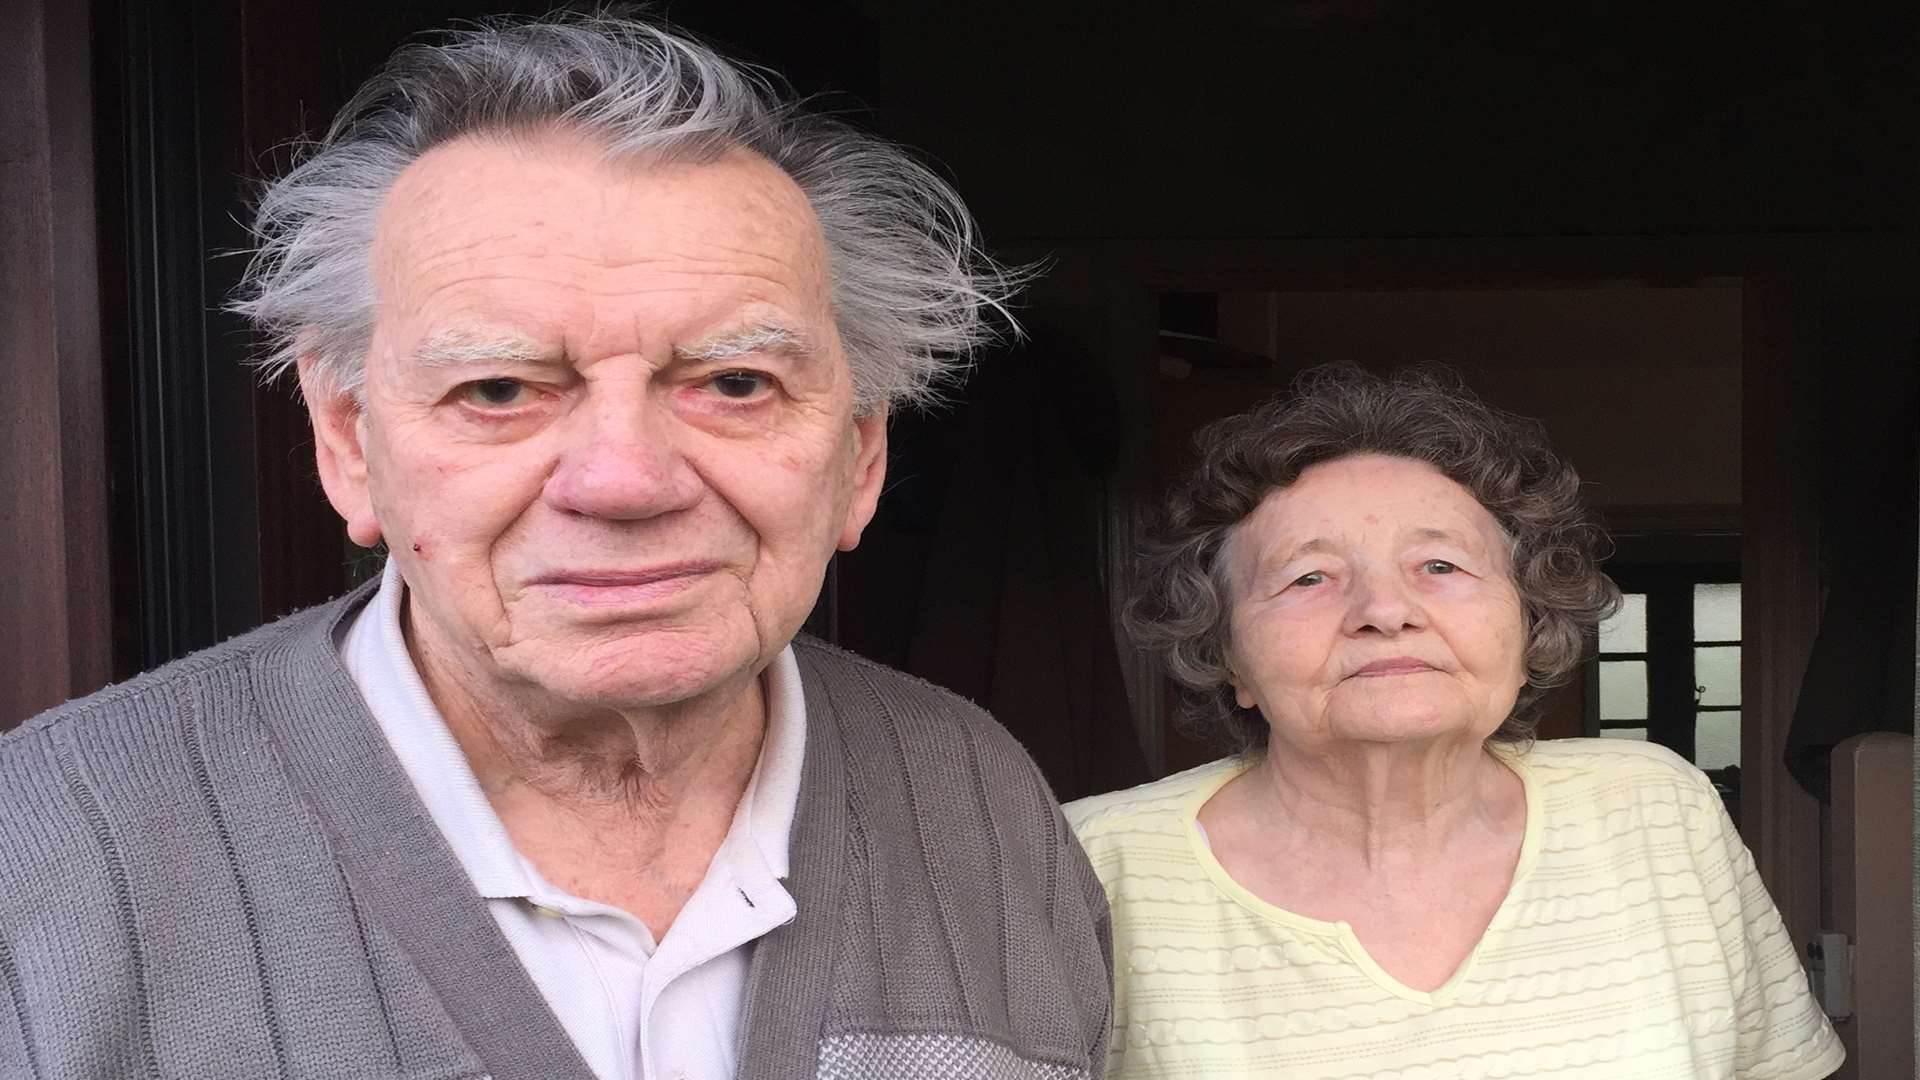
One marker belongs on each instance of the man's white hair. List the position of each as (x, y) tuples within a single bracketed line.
[(910, 284)]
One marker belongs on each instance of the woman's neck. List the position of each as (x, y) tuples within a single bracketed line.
[(1380, 803)]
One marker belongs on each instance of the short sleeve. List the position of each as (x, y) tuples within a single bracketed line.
[(1780, 1031)]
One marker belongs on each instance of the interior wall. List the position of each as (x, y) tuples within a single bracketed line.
[(1638, 387), (1342, 118), (1072, 127), (1069, 124)]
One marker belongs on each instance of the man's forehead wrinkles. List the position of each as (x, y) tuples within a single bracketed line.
[(430, 247), (601, 279), (613, 245)]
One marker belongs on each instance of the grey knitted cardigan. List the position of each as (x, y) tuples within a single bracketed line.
[(219, 870)]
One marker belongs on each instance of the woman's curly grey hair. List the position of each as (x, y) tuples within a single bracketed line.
[(1425, 414), (911, 287)]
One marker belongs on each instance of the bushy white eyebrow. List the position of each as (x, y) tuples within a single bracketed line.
[(458, 348), (759, 338)]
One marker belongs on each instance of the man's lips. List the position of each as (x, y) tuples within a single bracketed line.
[(1398, 665), (621, 585)]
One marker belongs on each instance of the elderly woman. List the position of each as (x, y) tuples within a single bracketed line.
[(1364, 589)]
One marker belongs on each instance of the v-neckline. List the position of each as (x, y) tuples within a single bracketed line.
[(1341, 931)]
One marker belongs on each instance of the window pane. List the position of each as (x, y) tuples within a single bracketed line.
[(1623, 689), (1626, 631), (1716, 675), (1716, 739), (1716, 612), (1639, 733)]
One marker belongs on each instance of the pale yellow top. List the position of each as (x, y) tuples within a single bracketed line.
[(1636, 941)]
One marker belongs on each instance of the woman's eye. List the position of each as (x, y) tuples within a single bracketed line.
[(739, 384), (1310, 579), (496, 393), (1438, 566)]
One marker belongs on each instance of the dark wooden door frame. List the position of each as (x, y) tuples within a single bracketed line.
[(1780, 567), (54, 629), (129, 517)]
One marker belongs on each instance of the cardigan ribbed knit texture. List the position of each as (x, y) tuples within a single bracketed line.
[(219, 870)]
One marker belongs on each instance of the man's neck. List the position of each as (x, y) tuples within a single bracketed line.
[(623, 808)]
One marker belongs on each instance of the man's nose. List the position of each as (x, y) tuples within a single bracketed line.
[(623, 461), (1383, 602)]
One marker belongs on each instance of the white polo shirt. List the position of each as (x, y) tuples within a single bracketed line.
[(637, 1009)]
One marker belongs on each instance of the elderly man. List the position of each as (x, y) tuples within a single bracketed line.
[(599, 338)]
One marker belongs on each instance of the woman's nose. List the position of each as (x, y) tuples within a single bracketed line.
[(1383, 603)]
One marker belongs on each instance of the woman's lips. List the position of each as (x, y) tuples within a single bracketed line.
[(1399, 665)]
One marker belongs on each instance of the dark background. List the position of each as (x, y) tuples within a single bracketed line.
[(1174, 164), (1076, 131)]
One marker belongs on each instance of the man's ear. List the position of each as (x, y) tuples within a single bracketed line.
[(338, 451), (869, 475)]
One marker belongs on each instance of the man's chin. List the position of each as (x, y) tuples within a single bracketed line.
[(641, 672)]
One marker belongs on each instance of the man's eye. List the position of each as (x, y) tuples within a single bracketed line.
[(1438, 566), (739, 384), (1311, 579), (496, 393)]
